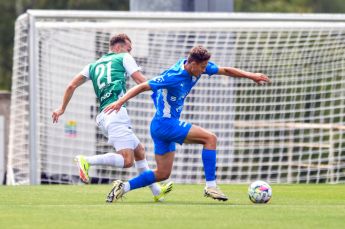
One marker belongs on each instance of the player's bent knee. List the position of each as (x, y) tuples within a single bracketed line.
[(128, 162), (128, 157), (213, 138), (139, 152), (211, 141)]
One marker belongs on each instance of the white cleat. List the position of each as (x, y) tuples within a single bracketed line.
[(116, 192)]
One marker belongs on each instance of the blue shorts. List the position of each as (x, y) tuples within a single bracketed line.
[(165, 132)]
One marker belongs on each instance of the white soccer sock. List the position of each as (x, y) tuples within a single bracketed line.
[(112, 159), (126, 187), (210, 184), (142, 166)]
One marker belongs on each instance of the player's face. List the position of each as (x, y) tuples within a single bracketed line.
[(198, 68)]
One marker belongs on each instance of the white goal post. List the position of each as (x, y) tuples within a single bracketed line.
[(290, 131)]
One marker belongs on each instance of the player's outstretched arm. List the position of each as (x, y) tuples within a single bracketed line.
[(76, 82), (116, 106), (258, 78)]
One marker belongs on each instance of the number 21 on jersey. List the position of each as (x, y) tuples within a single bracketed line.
[(103, 74)]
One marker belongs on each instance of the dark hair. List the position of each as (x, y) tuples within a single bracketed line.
[(198, 54), (119, 38)]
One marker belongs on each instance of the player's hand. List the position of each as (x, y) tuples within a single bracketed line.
[(115, 106), (260, 78), (56, 114)]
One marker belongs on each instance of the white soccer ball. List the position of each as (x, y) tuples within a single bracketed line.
[(259, 192)]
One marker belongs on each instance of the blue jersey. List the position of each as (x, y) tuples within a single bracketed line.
[(172, 87)]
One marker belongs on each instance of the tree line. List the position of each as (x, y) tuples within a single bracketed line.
[(10, 10)]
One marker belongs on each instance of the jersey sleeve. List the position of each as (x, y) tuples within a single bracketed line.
[(129, 64), (211, 68), (85, 72), (162, 81)]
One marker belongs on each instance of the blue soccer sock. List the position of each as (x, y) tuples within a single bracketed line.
[(144, 179), (209, 161)]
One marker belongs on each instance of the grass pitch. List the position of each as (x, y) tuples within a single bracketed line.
[(81, 206)]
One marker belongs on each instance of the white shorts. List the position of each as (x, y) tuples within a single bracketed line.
[(118, 129)]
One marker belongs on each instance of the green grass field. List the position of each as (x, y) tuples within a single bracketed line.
[(81, 206)]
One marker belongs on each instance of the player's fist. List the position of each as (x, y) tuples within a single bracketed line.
[(260, 78)]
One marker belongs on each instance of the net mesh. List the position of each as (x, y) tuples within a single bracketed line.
[(289, 131)]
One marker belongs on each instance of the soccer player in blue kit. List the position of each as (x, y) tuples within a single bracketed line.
[(169, 92)]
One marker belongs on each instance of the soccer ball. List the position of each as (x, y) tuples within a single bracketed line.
[(259, 192)]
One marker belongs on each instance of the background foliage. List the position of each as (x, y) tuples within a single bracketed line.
[(9, 10), (290, 6)]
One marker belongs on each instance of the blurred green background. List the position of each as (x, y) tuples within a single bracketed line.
[(10, 10)]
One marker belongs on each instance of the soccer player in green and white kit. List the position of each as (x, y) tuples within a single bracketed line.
[(108, 76)]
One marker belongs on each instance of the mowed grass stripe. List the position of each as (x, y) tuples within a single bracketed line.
[(83, 206)]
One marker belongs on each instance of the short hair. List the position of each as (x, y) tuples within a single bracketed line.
[(198, 54), (119, 38)]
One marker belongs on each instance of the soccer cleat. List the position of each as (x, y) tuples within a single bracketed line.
[(83, 166), (215, 193), (116, 192), (165, 189)]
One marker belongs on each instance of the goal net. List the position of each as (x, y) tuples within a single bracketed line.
[(290, 131)]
